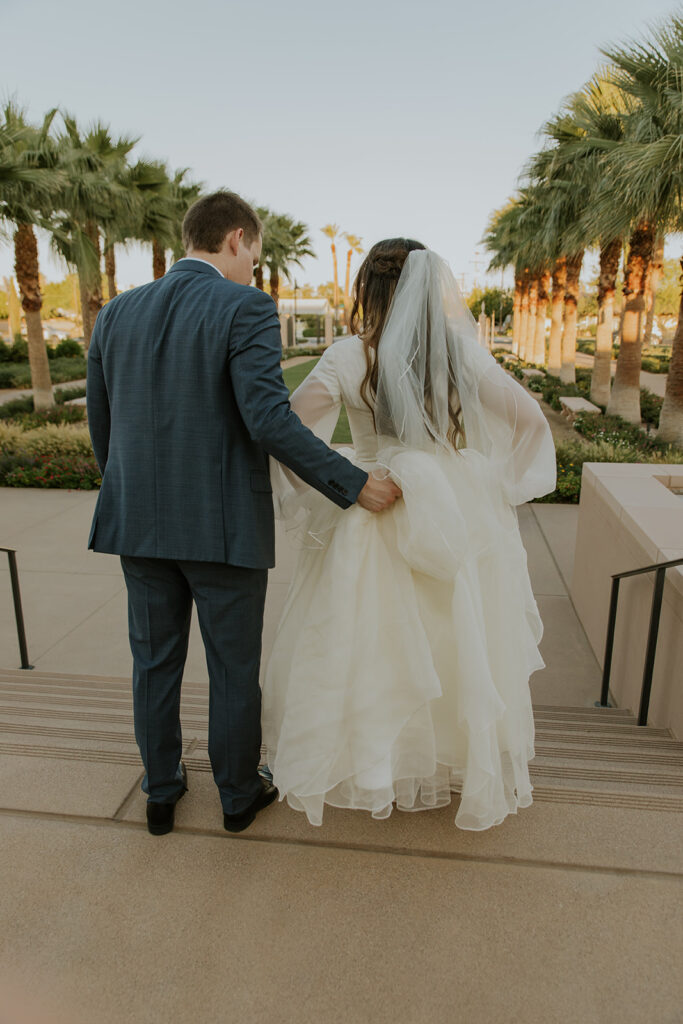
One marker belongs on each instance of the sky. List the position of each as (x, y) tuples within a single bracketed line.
[(385, 117)]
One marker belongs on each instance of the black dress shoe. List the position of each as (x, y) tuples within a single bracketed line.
[(238, 822), (161, 817)]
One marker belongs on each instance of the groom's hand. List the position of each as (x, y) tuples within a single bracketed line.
[(378, 494)]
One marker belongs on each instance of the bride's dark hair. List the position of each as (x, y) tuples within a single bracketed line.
[(373, 291)]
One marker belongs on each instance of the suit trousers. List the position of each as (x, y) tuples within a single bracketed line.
[(230, 602)]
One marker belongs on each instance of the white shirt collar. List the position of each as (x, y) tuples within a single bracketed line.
[(199, 260)]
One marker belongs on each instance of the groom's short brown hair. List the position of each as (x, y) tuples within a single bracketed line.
[(212, 217)]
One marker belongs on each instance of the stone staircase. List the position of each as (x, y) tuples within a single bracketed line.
[(584, 755)]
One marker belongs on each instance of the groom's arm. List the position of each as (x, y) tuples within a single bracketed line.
[(263, 401)]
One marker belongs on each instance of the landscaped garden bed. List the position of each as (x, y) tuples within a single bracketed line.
[(52, 448), (67, 362)]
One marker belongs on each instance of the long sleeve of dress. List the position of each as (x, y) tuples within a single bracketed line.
[(317, 402), (519, 441)]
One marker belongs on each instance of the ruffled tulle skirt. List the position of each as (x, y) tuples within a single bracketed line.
[(400, 670)]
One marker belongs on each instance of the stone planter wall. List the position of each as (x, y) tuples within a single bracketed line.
[(629, 518)]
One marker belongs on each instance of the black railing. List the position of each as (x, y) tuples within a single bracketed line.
[(18, 613), (653, 632)]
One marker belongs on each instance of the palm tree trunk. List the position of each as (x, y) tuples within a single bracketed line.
[(601, 378), (28, 279), (158, 260), (13, 309), (557, 316), (85, 310), (258, 277), (110, 270), (524, 317), (671, 416), (517, 315), (538, 357), (655, 277), (91, 286), (336, 279), (347, 288), (275, 285), (569, 329), (531, 323), (625, 398)]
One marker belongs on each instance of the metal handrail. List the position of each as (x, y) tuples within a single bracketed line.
[(18, 613), (660, 569)]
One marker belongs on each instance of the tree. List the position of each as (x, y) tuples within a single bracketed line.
[(290, 243), (646, 172), (593, 121), (355, 245), (332, 231), (13, 309), (95, 194), (153, 213), (30, 177)]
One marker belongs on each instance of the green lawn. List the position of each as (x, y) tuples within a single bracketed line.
[(294, 375)]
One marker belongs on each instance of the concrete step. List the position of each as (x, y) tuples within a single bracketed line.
[(562, 711), (602, 728), (622, 754), (642, 776)]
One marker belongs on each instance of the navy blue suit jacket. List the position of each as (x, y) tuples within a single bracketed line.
[(185, 401)]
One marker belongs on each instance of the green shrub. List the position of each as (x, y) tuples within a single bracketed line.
[(10, 438), (68, 349), (18, 351), (571, 456), (66, 394), (626, 437), (553, 389), (50, 471), (20, 410), (16, 408), (650, 407), (299, 350), (61, 370)]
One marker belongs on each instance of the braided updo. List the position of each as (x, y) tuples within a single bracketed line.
[(373, 291)]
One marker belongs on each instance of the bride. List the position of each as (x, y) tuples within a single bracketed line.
[(400, 670)]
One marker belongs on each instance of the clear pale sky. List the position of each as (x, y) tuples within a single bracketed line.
[(384, 116)]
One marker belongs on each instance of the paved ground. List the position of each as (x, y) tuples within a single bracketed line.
[(547, 919)]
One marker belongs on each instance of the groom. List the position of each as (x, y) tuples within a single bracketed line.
[(185, 402)]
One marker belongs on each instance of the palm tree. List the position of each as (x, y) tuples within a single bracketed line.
[(501, 239), (183, 194), (153, 213), (355, 245), (655, 277), (269, 245), (94, 195), (559, 287), (332, 231), (30, 177), (592, 122), (538, 351), (646, 173), (13, 308), (290, 244)]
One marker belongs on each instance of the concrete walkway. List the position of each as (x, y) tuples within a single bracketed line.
[(547, 919)]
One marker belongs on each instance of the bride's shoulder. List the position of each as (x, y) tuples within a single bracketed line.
[(347, 349)]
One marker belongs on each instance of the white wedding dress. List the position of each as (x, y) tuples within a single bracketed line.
[(399, 673)]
